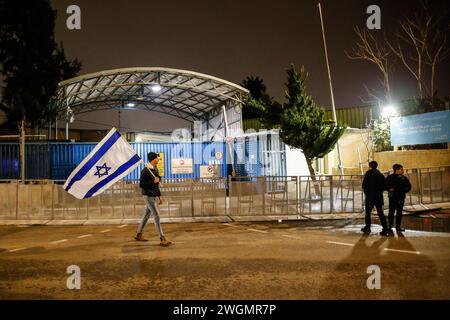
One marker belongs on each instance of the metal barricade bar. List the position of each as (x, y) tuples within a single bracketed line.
[(207, 197)]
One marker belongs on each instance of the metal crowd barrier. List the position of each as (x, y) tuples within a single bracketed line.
[(187, 197), (47, 200), (303, 195)]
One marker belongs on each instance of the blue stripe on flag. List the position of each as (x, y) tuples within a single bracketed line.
[(93, 160), (114, 175)]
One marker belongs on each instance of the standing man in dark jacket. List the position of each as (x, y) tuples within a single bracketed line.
[(398, 186), (149, 183), (374, 184)]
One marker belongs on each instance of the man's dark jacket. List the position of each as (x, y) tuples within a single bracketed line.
[(147, 182), (400, 184), (374, 184)]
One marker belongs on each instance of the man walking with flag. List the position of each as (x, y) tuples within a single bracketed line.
[(149, 183)]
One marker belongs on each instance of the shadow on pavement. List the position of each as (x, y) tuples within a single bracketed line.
[(403, 275)]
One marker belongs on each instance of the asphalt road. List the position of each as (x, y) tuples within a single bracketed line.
[(294, 260)]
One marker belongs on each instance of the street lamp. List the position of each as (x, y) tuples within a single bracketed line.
[(157, 87), (389, 111), (70, 118)]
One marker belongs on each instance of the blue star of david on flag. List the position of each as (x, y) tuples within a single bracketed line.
[(102, 170)]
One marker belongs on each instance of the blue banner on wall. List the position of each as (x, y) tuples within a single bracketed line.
[(425, 128)]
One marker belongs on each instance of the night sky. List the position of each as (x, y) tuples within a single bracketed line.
[(234, 39)]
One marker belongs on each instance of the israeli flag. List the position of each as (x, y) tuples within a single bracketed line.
[(111, 160)]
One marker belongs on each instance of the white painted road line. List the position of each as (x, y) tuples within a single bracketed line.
[(341, 243), (291, 237), (122, 226), (15, 250), (403, 251), (84, 236), (230, 225), (105, 231), (256, 230), (59, 241)]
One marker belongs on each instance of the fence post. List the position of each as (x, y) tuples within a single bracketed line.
[(419, 182), (297, 206), (321, 194), (263, 194), (22, 151), (123, 193), (431, 186), (300, 205), (17, 200), (331, 195), (87, 208), (192, 197), (230, 193), (53, 200), (224, 181), (362, 194)]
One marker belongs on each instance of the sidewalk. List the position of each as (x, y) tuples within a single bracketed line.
[(409, 210)]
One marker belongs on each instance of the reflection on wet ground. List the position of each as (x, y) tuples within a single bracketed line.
[(429, 222), (432, 223)]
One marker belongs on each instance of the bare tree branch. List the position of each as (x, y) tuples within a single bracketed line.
[(368, 48), (421, 42)]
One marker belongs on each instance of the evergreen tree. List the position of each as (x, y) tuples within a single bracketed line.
[(31, 62), (301, 122), (260, 105), (258, 92)]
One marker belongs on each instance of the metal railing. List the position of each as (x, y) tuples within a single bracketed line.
[(188, 197), (47, 200), (303, 195)]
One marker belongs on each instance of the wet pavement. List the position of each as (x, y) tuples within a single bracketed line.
[(435, 221), (289, 260)]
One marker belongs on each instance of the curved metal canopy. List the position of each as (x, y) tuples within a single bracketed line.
[(184, 94)]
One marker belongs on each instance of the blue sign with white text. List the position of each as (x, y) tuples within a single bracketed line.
[(425, 128)]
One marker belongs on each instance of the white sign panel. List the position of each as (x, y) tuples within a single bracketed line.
[(209, 171), (182, 166), (219, 155)]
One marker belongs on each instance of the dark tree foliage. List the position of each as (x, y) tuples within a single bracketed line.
[(301, 122), (258, 92), (31, 62)]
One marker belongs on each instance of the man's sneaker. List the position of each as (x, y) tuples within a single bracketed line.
[(164, 242), (385, 233), (139, 237), (390, 232), (366, 230), (399, 229)]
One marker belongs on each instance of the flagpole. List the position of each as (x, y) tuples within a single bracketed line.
[(341, 169), (227, 135)]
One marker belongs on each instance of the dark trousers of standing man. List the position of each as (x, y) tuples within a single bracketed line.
[(369, 208), (395, 205)]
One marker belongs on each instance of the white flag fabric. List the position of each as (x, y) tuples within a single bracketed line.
[(111, 160)]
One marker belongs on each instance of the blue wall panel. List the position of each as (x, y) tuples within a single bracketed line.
[(57, 160)]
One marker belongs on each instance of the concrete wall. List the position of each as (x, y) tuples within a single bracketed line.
[(350, 142), (353, 139), (413, 158), (296, 163)]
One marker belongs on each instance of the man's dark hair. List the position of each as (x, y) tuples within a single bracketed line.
[(397, 167), (151, 156), (373, 164)]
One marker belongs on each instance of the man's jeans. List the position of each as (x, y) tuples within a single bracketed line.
[(395, 205), (151, 210), (368, 218)]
